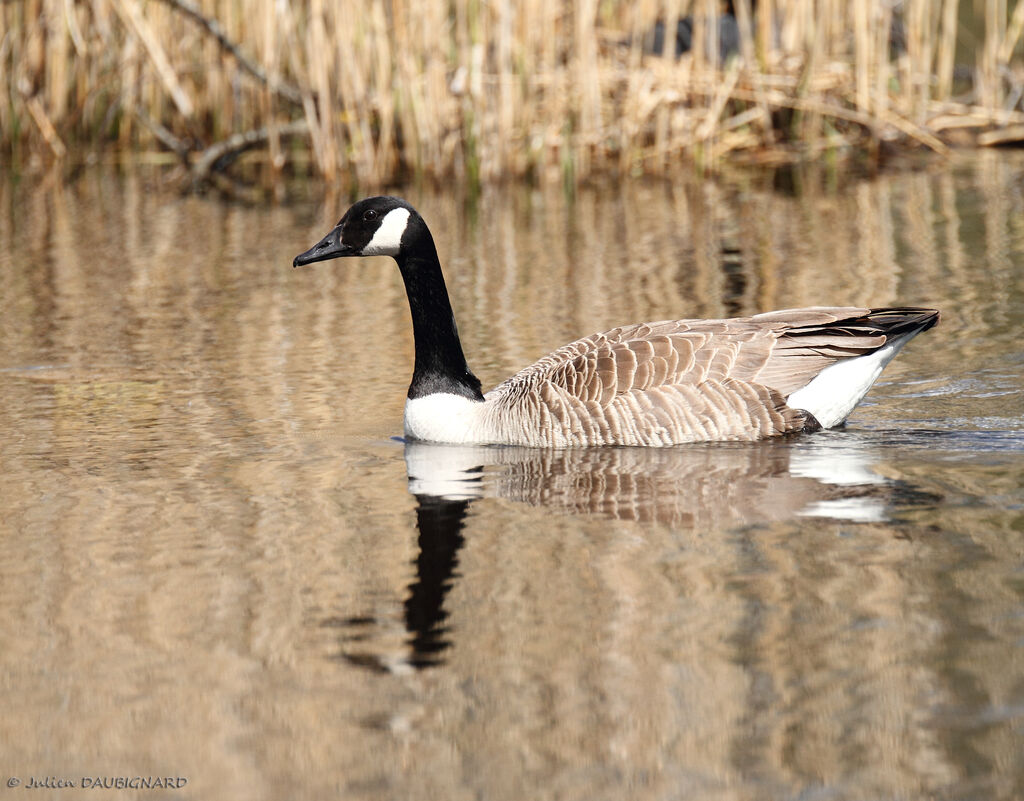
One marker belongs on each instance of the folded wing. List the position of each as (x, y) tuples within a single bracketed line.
[(693, 380)]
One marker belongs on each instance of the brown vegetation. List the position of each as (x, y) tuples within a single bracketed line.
[(374, 92)]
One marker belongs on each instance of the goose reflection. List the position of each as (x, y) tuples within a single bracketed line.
[(707, 486), (713, 487), (439, 522)]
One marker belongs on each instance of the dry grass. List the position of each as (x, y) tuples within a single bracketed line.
[(375, 92)]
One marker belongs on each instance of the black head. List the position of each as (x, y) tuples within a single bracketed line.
[(372, 227)]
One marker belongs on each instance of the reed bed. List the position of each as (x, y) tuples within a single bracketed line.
[(375, 92)]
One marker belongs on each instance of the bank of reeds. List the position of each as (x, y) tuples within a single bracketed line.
[(376, 91)]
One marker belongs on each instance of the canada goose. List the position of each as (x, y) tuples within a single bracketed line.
[(651, 384)]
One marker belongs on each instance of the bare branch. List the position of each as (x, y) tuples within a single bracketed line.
[(220, 154), (163, 135), (288, 91)]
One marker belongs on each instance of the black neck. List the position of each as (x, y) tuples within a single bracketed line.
[(440, 363)]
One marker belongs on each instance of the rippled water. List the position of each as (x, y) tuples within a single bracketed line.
[(220, 564)]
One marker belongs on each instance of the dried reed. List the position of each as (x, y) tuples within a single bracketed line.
[(379, 91)]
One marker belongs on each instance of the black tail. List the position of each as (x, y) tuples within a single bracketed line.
[(897, 321), (888, 322)]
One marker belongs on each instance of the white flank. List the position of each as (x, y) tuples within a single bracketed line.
[(443, 417), (834, 392), (387, 241)]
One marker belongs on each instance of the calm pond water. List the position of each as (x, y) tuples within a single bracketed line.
[(220, 564)]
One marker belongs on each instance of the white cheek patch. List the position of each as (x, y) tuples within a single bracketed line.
[(387, 241)]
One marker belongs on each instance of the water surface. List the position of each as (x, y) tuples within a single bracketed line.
[(219, 562)]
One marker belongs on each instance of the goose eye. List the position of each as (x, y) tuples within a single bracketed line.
[(371, 214)]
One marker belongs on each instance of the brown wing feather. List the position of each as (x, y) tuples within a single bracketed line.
[(686, 380)]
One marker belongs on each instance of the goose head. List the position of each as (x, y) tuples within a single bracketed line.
[(375, 226)]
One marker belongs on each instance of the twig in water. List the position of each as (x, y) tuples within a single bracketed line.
[(50, 135), (164, 136), (220, 154)]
